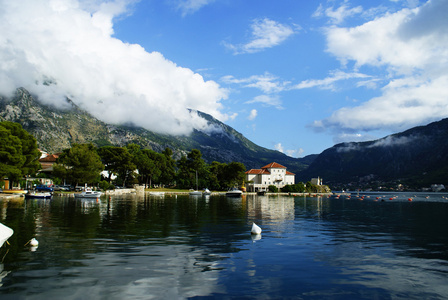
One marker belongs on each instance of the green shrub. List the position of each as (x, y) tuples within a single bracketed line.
[(273, 189)]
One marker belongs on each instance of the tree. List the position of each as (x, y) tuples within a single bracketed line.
[(118, 161), (216, 175), (80, 164), (149, 164), (183, 173), (234, 174), (195, 164), (19, 155), (168, 170)]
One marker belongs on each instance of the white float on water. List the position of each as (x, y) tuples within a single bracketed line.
[(34, 242), (255, 229)]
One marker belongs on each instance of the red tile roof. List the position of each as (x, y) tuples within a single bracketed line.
[(264, 170), (257, 171), (274, 165), (49, 158)]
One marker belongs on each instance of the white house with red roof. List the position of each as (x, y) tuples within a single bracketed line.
[(271, 174)]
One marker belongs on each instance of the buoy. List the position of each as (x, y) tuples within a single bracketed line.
[(255, 229), (33, 242), (409, 199)]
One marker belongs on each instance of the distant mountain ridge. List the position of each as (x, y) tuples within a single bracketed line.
[(417, 157), (57, 129)]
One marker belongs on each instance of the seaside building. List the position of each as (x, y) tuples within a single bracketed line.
[(316, 181), (271, 174)]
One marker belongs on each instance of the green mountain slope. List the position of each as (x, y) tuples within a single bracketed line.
[(417, 157), (57, 129)]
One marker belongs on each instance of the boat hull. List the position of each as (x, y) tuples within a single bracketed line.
[(38, 196), (5, 233), (234, 193), (94, 195)]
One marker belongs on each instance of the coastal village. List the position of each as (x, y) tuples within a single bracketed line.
[(257, 181)]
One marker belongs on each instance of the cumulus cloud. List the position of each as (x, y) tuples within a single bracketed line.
[(252, 115), (65, 48), (411, 46), (266, 33)]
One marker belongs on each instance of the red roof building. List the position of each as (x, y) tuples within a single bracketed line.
[(47, 162), (271, 174)]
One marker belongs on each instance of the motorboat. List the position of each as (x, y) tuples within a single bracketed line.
[(234, 193), (38, 195), (88, 193), (206, 192), (5, 233), (195, 193)]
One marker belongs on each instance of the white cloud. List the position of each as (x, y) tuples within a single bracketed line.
[(339, 14), (267, 100), (63, 42), (411, 46), (328, 82), (253, 114), (278, 147), (267, 82), (191, 6), (266, 33), (292, 153)]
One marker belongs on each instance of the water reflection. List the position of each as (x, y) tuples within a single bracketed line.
[(180, 247)]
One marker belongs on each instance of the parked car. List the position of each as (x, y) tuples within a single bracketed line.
[(43, 188), (61, 188)]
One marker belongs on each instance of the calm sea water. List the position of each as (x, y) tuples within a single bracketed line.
[(132, 247)]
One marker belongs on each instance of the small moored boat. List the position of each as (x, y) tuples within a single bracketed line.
[(234, 193), (88, 193), (38, 195), (194, 193), (206, 192)]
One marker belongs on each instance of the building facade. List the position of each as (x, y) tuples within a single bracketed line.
[(271, 174)]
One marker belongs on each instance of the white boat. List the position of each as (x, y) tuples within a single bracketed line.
[(88, 193), (234, 193), (206, 192), (195, 192), (5, 233), (38, 195)]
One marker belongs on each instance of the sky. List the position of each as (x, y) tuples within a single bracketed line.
[(297, 76)]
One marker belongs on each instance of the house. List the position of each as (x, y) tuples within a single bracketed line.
[(47, 162), (271, 174)]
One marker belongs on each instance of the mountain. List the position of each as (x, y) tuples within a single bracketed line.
[(417, 157), (57, 129)]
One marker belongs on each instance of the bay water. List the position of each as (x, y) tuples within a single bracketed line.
[(373, 246)]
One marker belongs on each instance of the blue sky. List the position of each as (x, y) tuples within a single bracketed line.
[(293, 75)]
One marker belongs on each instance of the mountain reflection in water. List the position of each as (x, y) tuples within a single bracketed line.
[(176, 247)]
